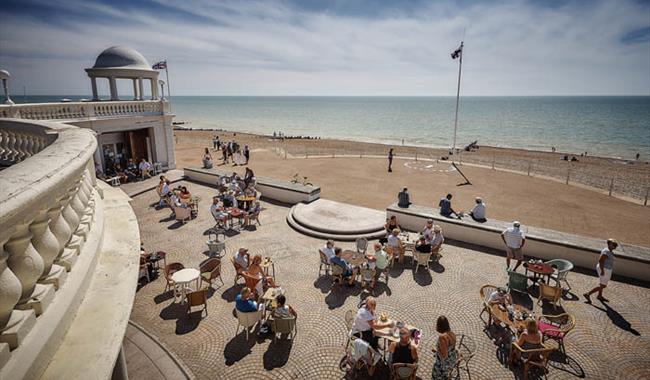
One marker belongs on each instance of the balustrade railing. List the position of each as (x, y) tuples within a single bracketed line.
[(81, 110), (46, 214)]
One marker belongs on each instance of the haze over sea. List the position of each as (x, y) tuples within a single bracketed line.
[(613, 126)]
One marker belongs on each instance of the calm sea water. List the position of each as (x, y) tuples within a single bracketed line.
[(607, 126)]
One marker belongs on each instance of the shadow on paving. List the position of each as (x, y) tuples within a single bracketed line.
[(238, 347), (617, 319), (566, 363), (339, 293), (277, 354)]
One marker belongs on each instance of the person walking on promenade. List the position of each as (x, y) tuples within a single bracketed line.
[(604, 270), (247, 154), (514, 239), (390, 160)]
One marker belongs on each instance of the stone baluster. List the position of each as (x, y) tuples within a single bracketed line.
[(10, 291), (66, 257), (72, 218), (12, 152), (3, 143), (47, 246)]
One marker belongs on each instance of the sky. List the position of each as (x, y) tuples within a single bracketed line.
[(338, 47)]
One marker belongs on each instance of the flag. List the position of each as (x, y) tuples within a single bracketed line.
[(160, 65), (457, 52)]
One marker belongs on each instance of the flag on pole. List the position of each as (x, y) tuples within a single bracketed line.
[(457, 52), (160, 65)]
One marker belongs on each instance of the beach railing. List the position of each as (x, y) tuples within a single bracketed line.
[(49, 231), (82, 110)]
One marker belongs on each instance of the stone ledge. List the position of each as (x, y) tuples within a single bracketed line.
[(271, 188), (543, 243)]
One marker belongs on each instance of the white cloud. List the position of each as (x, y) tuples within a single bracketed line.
[(264, 48)]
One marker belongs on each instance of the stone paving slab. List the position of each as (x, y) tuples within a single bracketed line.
[(610, 341)]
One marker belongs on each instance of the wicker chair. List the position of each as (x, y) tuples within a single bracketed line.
[(324, 262), (537, 357), (337, 274), (197, 298), (349, 321), (562, 269), (169, 271), (420, 258), (367, 275), (362, 245), (251, 283), (211, 270), (485, 292), (550, 293), (391, 255), (556, 327), (403, 371), (517, 281), (284, 326)]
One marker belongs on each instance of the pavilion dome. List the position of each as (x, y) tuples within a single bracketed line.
[(121, 57)]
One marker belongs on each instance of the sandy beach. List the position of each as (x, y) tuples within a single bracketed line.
[(534, 200)]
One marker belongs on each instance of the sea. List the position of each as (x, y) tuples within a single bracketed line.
[(610, 126)]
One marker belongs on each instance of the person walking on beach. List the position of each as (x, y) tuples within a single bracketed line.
[(224, 153), (247, 153), (390, 160), (514, 239), (604, 270)]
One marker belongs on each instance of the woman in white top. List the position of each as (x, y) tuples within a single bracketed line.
[(207, 159), (364, 323)]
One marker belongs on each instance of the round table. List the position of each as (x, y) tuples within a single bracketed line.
[(184, 278), (353, 257), (539, 270)]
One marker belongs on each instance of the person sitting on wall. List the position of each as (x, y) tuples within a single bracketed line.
[(403, 199), (207, 159), (446, 209), (478, 211)]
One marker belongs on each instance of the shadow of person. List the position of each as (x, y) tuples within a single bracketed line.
[(617, 319), (522, 299), (422, 277), (437, 267), (176, 225), (277, 354), (238, 348), (339, 293)]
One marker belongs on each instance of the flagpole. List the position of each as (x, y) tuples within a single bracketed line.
[(169, 91), (460, 65)]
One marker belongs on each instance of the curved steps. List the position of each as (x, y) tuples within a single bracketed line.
[(326, 219)]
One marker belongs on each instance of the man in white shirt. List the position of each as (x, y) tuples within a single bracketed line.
[(328, 250), (478, 212), (242, 258), (145, 168), (396, 244), (428, 232), (514, 239), (436, 242)]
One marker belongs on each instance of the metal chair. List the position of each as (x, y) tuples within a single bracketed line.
[(197, 298), (549, 293), (485, 292), (144, 269), (324, 262), (556, 327), (466, 348), (367, 275), (562, 269), (284, 326), (182, 214), (362, 245)]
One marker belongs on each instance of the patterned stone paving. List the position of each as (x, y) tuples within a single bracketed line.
[(609, 342)]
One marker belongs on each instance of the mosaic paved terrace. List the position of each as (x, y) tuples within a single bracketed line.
[(610, 341)]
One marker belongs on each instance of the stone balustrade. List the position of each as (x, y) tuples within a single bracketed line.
[(82, 110), (47, 213)]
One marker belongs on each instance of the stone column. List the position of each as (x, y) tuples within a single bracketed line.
[(113, 85), (93, 83), (141, 88), (154, 89), (135, 89)]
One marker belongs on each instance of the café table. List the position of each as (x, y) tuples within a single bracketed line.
[(409, 239), (235, 213), (245, 200), (539, 270), (353, 257), (518, 322), (391, 334), (270, 297), (184, 278)]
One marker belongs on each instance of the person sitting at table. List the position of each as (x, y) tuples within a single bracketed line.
[(174, 200), (131, 170), (283, 310), (349, 271), (404, 351), (380, 260), (255, 270), (478, 211), (328, 250), (365, 324), (422, 246), (395, 243), (529, 339), (218, 212), (427, 232), (233, 187), (229, 200), (242, 258), (500, 296), (250, 191), (437, 241), (444, 351), (391, 224), (446, 209), (120, 173), (245, 303), (184, 195), (255, 208)]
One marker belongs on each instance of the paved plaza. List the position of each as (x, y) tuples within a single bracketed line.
[(610, 341)]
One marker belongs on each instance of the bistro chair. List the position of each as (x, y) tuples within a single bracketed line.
[(517, 281), (161, 255), (239, 270), (284, 326), (248, 320), (210, 271), (535, 358), (550, 293), (556, 327), (562, 269), (197, 298), (367, 275), (349, 321), (144, 269), (324, 262), (420, 258), (169, 271), (391, 255), (466, 348), (403, 371), (485, 292), (362, 245), (337, 274), (252, 283)]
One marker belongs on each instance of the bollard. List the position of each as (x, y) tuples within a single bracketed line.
[(611, 186)]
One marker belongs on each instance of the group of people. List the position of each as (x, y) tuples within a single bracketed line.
[(172, 197), (477, 213), (367, 324), (230, 189), (231, 151), (127, 172)]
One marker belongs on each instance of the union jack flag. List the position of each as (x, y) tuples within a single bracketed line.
[(160, 65), (458, 52)]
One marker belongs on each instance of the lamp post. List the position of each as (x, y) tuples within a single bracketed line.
[(4, 75)]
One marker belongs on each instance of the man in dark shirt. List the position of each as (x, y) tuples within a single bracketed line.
[(348, 270), (445, 207), (390, 160), (403, 199)]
